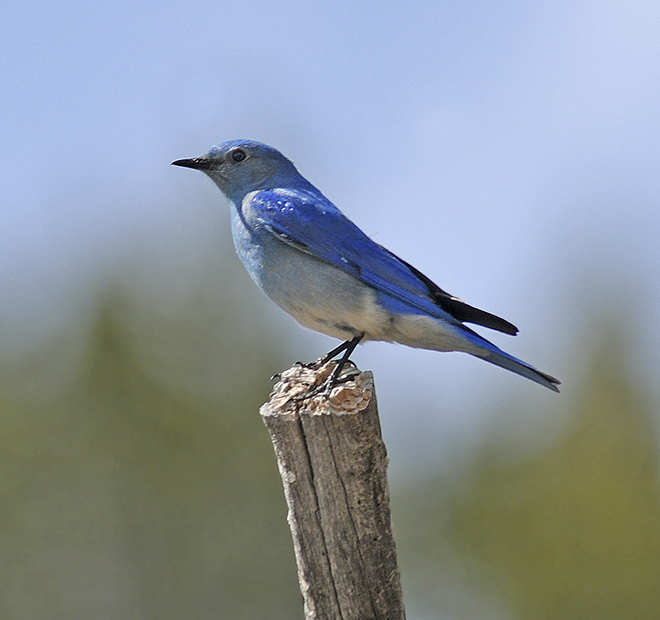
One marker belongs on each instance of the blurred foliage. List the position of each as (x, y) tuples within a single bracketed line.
[(137, 481), (571, 532), (133, 494)]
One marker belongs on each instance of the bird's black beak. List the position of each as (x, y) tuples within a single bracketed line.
[(198, 163)]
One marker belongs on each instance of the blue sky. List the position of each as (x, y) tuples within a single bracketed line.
[(509, 150)]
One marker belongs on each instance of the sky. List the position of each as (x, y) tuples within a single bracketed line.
[(509, 150)]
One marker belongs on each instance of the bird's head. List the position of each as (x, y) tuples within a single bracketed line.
[(242, 166)]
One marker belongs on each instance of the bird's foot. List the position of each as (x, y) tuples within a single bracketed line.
[(318, 363), (306, 382), (334, 379), (315, 365), (303, 390), (322, 375)]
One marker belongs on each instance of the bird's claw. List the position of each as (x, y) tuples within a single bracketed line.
[(325, 388)]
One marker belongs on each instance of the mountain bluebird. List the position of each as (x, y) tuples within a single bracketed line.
[(318, 266)]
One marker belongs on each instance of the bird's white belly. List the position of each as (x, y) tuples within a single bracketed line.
[(324, 298), (328, 300)]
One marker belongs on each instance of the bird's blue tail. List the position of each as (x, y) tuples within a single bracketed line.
[(504, 360), (493, 354)]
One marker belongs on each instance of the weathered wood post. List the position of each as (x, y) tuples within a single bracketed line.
[(333, 465)]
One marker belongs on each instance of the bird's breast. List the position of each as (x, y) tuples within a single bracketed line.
[(317, 294)]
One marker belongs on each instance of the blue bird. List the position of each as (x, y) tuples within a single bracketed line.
[(318, 266)]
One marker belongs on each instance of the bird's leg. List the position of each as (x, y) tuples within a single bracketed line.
[(321, 361), (348, 347), (334, 353)]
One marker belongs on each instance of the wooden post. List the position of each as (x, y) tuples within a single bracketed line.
[(333, 465)]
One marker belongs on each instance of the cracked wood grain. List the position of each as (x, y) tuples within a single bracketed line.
[(333, 465)]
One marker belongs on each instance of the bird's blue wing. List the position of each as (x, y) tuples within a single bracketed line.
[(311, 223)]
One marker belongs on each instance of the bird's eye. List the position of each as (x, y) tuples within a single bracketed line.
[(238, 155)]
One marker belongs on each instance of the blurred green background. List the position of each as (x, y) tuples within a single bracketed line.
[(509, 150), (138, 481)]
